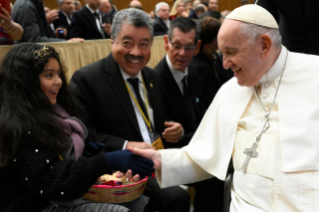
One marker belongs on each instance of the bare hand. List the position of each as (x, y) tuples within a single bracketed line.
[(51, 16), (151, 154), (6, 17), (173, 132), (140, 145), (107, 28), (129, 175), (76, 40)]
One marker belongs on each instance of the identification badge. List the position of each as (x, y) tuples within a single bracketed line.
[(157, 142)]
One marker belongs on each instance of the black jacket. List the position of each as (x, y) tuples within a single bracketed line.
[(83, 25), (298, 35), (37, 175), (62, 22), (159, 26), (175, 104), (108, 112)]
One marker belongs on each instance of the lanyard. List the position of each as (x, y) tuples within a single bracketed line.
[(148, 122)]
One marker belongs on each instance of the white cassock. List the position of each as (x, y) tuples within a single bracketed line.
[(284, 176)]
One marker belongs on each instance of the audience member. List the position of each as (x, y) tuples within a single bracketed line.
[(77, 5), (9, 31), (108, 8), (41, 145), (210, 13), (200, 8), (31, 16), (213, 5), (161, 22), (89, 22), (244, 2), (178, 10), (196, 2), (210, 71), (298, 23), (122, 102), (188, 4), (152, 14), (180, 84), (65, 15), (46, 9), (135, 4)]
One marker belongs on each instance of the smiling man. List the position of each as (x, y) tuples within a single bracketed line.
[(265, 119), (122, 101)]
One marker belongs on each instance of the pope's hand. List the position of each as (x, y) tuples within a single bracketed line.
[(173, 132), (151, 154)]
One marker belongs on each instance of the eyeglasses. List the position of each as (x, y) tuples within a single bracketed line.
[(177, 47)]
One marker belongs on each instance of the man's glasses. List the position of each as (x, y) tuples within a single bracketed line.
[(177, 47)]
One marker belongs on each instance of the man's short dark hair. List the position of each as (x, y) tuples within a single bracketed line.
[(185, 25)]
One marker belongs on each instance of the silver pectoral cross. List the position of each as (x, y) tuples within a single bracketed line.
[(250, 152)]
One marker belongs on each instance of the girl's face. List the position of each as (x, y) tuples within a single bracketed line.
[(50, 79), (180, 7)]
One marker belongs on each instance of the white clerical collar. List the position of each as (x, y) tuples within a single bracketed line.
[(126, 76), (177, 74), (91, 10), (276, 69)]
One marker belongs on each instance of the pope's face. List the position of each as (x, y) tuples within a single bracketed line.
[(243, 58)]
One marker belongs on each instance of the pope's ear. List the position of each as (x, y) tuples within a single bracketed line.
[(266, 44)]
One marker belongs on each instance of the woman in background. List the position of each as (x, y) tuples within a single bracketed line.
[(178, 10), (208, 65), (41, 143)]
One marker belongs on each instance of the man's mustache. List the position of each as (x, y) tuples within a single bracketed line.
[(131, 57)]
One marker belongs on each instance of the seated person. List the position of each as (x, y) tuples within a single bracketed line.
[(41, 145)]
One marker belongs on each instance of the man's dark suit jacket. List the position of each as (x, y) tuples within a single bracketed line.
[(298, 35), (62, 22), (107, 108), (159, 26), (175, 105), (211, 76), (83, 25)]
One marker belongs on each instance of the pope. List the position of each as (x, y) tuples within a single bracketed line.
[(264, 121)]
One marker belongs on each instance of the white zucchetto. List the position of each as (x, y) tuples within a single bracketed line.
[(254, 14)]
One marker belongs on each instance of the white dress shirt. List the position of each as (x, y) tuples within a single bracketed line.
[(98, 21)]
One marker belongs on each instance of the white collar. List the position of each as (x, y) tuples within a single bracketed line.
[(91, 10), (177, 74), (66, 15), (126, 76), (276, 69)]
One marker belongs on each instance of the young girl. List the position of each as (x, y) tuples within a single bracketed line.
[(41, 146)]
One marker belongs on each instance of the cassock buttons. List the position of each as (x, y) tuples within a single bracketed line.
[(266, 85), (48, 161), (36, 150), (41, 192), (265, 96), (266, 108), (62, 193)]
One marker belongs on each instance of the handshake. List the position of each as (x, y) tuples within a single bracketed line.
[(122, 160)]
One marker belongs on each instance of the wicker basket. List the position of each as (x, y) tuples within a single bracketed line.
[(116, 194)]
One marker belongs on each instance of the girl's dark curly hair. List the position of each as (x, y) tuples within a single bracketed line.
[(25, 111)]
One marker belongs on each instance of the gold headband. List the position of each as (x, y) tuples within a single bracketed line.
[(43, 54)]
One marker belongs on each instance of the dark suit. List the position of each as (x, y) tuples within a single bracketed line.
[(83, 25), (211, 75), (175, 104), (160, 28), (62, 22), (109, 115), (298, 34)]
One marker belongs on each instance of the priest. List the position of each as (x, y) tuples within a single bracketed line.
[(265, 119)]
